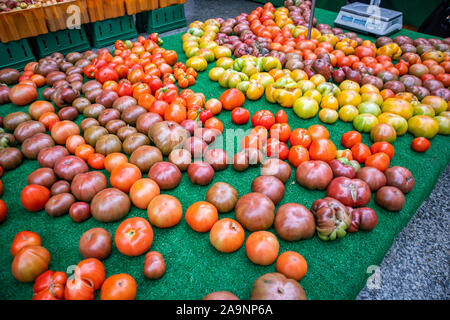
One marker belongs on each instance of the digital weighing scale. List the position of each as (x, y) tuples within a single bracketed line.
[(369, 18)]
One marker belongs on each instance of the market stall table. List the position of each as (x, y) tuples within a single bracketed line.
[(336, 269)]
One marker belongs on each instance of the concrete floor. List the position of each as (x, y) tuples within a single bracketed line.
[(417, 265)]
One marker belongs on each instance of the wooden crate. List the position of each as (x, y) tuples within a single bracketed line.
[(20, 24), (105, 9), (166, 3), (56, 15), (136, 6)]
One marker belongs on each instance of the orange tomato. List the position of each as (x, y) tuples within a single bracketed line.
[(146, 100), (134, 236), (48, 119), (124, 175), (262, 247), (164, 211), (114, 159), (73, 142), (322, 149), (213, 105), (201, 216), (227, 235), (300, 136), (317, 131), (292, 265), (280, 131), (143, 191), (350, 138), (175, 112), (214, 123), (91, 270), (24, 238), (119, 287), (96, 161), (378, 160), (84, 151), (360, 152), (297, 155)]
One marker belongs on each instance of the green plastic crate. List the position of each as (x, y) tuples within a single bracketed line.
[(15, 54), (276, 3), (162, 19), (64, 41), (106, 32)]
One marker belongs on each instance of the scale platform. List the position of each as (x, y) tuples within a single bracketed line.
[(369, 19)]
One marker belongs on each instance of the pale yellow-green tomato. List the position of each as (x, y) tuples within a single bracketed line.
[(329, 102), (306, 85), (211, 45), (350, 85), (215, 73), (397, 122), (444, 124), (328, 115), (208, 54), (348, 113), (349, 97), (365, 122), (190, 43), (317, 79), (423, 126), (315, 94), (222, 51), (445, 114), (372, 97), (305, 107), (423, 109)]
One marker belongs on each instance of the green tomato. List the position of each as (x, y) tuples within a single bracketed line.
[(369, 107), (348, 113), (233, 80), (365, 122), (195, 32), (444, 124), (223, 78), (192, 52), (305, 107), (423, 126), (243, 86), (270, 63), (327, 88)]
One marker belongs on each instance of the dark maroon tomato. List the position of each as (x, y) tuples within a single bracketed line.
[(86, 185), (372, 176), (190, 125), (275, 286), (167, 135), (165, 174), (110, 205), (114, 125), (134, 141), (255, 211), (400, 177), (106, 98), (47, 157), (12, 120), (341, 170), (145, 156), (68, 113), (200, 173), (240, 161), (61, 186), (28, 129), (80, 211), (294, 222), (332, 218), (223, 196), (270, 186), (33, 145), (43, 176), (146, 120), (350, 192), (132, 113), (59, 204), (123, 103), (107, 144), (87, 123), (217, 158), (181, 158), (154, 265), (10, 158), (195, 146), (363, 218), (107, 115), (220, 295), (68, 167), (276, 167), (95, 243), (314, 174), (390, 198)]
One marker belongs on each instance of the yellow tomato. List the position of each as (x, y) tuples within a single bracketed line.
[(328, 115), (397, 122), (317, 79), (348, 113), (349, 97), (369, 88), (315, 94), (423, 126), (372, 97), (437, 103), (398, 106), (349, 85), (329, 102)]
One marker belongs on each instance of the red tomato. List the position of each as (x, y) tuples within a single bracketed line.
[(281, 116), (34, 197), (350, 138), (240, 115), (24, 238), (50, 285), (92, 271), (263, 118), (277, 149), (318, 131), (3, 210), (119, 287), (420, 144), (78, 289), (360, 152), (227, 235), (134, 236), (383, 146), (280, 131), (96, 161), (232, 98), (301, 137), (201, 216)]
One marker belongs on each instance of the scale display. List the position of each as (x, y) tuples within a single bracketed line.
[(369, 19)]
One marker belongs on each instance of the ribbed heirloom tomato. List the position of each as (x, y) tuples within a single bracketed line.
[(134, 236), (201, 216), (164, 211), (227, 235)]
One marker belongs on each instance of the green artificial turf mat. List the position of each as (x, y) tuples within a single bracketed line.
[(336, 269)]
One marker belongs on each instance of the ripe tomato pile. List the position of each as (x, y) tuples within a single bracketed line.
[(145, 127)]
